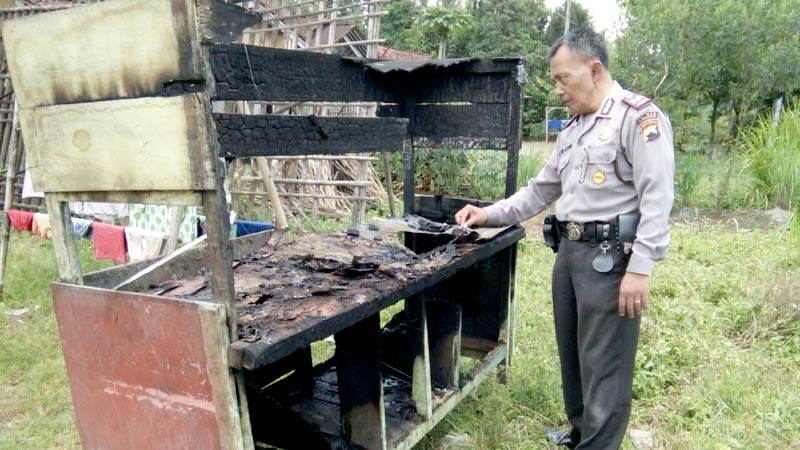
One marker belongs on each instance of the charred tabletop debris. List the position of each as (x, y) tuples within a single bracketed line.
[(284, 292)]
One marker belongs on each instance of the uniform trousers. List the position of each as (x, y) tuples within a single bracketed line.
[(596, 346)]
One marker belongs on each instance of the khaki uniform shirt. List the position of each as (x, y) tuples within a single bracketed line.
[(618, 160)]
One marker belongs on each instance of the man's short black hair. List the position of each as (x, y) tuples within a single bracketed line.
[(584, 42)]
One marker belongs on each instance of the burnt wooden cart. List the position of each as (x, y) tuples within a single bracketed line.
[(210, 347)]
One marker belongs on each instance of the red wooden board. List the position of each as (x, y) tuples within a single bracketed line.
[(147, 372)]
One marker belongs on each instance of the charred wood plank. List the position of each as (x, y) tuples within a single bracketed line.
[(514, 133), (270, 135), (259, 73), (472, 126), (444, 328), (360, 383)]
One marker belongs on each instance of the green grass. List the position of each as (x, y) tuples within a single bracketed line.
[(771, 154), (716, 369)]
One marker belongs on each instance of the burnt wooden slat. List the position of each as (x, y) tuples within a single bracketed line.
[(460, 86), (261, 73), (473, 126), (263, 352), (514, 134), (360, 384), (444, 329), (421, 387), (270, 135)]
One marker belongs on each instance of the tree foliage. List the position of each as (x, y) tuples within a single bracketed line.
[(578, 18), (483, 29), (728, 56)]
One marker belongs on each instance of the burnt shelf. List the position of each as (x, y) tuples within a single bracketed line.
[(310, 414)]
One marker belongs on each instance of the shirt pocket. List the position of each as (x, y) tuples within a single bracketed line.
[(563, 162), (600, 166)]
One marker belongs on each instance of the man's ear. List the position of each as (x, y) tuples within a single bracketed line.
[(597, 69)]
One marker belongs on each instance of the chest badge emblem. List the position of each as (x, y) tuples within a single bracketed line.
[(598, 177)]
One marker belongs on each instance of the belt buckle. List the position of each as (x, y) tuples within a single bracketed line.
[(574, 231)]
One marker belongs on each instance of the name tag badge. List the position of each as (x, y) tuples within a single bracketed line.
[(599, 177)]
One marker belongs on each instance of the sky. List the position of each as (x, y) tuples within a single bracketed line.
[(605, 14)]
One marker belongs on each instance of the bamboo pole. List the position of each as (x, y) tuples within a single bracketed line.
[(5, 229), (272, 193)]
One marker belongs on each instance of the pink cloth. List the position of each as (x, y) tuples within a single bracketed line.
[(21, 220), (41, 225), (109, 242)]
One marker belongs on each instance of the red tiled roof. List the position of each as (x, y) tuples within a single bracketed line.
[(393, 54)]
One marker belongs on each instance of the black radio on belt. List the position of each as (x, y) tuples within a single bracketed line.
[(552, 236)]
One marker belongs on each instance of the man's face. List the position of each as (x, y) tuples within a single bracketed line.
[(574, 81)]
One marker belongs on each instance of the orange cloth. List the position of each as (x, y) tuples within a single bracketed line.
[(109, 242), (41, 225), (21, 220)]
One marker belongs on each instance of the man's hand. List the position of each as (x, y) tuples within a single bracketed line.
[(633, 294), (471, 216)]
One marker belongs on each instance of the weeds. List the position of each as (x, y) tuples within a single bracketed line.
[(772, 155)]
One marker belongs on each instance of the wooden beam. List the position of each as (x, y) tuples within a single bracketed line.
[(269, 135), (456, 126), (444, 329), (69, 265), (143, 144), (360, 384), (261, 73), (421, 387), (178, 198), (136, 47)]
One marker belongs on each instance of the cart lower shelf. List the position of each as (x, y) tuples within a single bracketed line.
[(308, 417)]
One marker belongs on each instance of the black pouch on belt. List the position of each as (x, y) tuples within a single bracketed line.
[(552, 237), (626, 232)]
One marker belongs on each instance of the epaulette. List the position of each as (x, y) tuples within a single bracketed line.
[(636, 101), (571, 121)]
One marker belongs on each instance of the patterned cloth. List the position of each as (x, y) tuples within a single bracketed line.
[(157, 218)]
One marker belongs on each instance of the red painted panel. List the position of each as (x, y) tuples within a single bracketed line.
[(139, 371)]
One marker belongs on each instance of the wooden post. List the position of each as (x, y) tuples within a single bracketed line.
[(444, 329), (272, 192), (421, 388), (176, 216), (69, 267), (408, 179), (360, 384), (359, 206), (387, 173), (8, 196)]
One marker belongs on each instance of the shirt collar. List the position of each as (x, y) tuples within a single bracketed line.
[(611, 99)]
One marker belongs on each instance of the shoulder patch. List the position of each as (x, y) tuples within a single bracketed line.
[(648, 124), (636, 101)]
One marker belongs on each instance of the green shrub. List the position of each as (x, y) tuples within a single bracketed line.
[(771, 154)]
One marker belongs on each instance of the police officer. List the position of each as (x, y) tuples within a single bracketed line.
[(614, 158)]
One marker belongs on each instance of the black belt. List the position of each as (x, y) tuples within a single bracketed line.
[(588, 232)]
